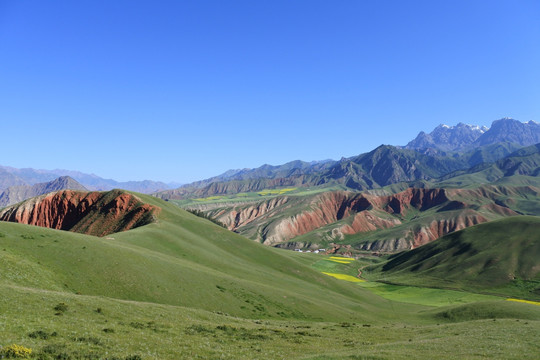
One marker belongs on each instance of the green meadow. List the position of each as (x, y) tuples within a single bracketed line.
[(185, 288)]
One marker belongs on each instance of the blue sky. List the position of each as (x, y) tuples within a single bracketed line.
[(184, 90)]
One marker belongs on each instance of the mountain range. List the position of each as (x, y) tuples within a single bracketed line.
[(445, 149), (15, 194), (10, 176), (464, 137), (430, 156)]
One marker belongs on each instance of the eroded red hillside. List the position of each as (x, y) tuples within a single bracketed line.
[(366, 210), (339, 214), (92, 213)]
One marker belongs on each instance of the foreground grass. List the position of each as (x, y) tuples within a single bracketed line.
[(98, 328)]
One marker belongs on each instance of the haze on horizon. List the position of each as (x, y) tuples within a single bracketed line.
[(181, 91)]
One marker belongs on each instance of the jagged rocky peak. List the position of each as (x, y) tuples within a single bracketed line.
[(511, 130), (474, 128), (463, 137), (448, 138)]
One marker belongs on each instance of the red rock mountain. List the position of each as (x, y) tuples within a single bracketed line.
[(418, 216), (93, 213)]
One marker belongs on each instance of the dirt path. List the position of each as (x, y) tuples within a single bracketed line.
[(360, 272)]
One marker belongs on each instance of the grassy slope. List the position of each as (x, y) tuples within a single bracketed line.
[(401, 293), (182, 260), (168, 275), (499, 257), (99, 328)]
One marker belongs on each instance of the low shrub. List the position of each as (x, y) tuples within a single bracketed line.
[(88, 339), (15, 351), (60, 308), (40, 334), (198, 329)]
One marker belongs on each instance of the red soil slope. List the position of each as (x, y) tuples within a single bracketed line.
[(92, 213), (277, 221)]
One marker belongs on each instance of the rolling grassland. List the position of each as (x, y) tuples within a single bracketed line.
[(182, 287)]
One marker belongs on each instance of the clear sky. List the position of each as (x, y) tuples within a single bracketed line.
[(184, 90)]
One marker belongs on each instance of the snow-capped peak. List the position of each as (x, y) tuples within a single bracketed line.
[(481, 129)]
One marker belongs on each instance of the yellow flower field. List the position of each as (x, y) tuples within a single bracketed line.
[(275, 191), (525, 301), (344, 277), (341, 260), (210, 198)]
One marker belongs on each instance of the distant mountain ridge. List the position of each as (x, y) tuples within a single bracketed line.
[(15, 194), (10, 176), (290, 169), (8, 179), (525, 161), (446, 149), (380, 167), (430, 156)]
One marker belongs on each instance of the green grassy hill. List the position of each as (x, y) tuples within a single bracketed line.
[(183, 287), (497, 257), (180, 260)]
